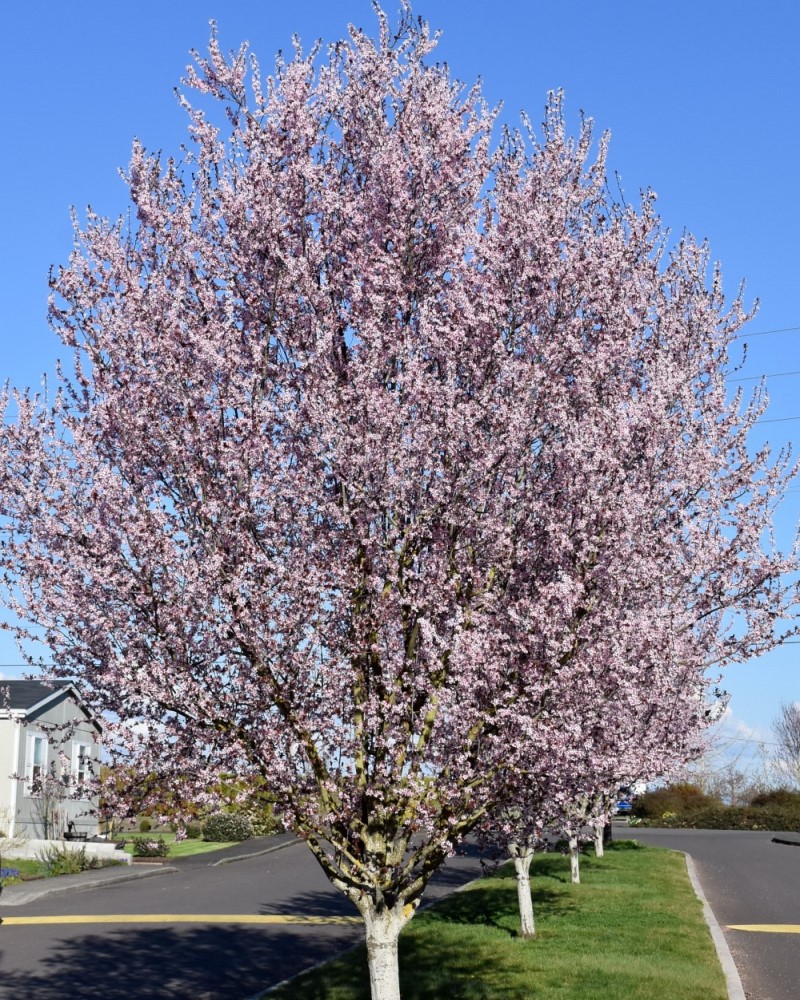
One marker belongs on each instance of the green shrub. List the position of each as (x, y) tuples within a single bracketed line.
[(145, 826), (63, 860), (70, 861), (678, 799), (194, 831), (782, 798), (262, 818), (731, 818), (150, 847), (751, 818), (227, 826)]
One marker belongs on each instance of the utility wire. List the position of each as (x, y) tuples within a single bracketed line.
[(749, 739), (764, 333), (757, 378)]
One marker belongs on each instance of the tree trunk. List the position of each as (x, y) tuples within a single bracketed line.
[(574, 862), (383, 926), (522, 866), (598, 842)]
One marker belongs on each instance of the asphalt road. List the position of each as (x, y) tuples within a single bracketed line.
[(228, 932), (206, 957), (751, 882)]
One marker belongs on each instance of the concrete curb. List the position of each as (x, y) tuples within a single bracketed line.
[(27, 892), (16, 895), (732, 980), (254, 854)]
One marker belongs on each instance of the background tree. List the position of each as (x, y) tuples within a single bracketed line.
[(49, 790), (371, 427), (786, 730)]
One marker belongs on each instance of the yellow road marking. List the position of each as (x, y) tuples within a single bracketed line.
[(182, 918), (767, 928)]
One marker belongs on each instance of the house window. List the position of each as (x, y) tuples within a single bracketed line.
[(36, 761), (81, 764)]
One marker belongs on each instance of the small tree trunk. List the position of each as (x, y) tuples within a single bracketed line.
[(598, 842), (522, 867), (383, 926), (574, 862)]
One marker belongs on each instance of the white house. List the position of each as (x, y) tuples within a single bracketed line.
[(45, 729)]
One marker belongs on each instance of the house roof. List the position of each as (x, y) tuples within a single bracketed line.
[(27, 694)]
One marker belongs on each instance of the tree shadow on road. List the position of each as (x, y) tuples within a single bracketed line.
[(194, 963)]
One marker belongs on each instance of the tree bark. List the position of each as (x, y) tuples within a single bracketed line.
[(383, 926), (522, 867), (599, 841), (574, 862)]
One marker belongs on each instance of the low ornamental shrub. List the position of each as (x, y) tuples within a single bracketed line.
[(145, 826), (194, 831), (8, 873), (227, 826), (150, 847), (58, 860), (262, 819)]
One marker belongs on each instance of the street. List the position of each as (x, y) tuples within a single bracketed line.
[(752, 882), (200, 959), (226, 932)]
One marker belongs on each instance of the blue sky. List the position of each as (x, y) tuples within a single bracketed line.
[(701, 97)]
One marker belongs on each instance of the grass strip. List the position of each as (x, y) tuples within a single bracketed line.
[(633, 928), (27, 867), (181, 849)]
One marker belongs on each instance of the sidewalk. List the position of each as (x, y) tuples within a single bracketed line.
[(26, 892)]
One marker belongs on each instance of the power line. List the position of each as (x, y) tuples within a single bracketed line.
[(764, 333), (748, 739), (756, 378)]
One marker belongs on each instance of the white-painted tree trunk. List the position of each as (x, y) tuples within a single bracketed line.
[(522, 867), (383, 927), (599, 851), (574, 859)]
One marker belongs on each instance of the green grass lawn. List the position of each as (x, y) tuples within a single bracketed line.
[(34, 867), (26, 866), (182, 849), (633, 929)]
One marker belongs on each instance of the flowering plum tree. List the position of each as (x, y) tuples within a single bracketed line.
[(567, 777), (370, 424)]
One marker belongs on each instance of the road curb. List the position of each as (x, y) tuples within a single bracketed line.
[(255, 854), (780, 840), (731, 973), (27, 892), (21, 894)]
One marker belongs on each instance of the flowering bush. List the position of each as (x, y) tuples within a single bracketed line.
[(227, 826), (150, 847), (6, 874)]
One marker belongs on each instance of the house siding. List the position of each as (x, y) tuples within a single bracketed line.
[(7, 767), (61, 710)]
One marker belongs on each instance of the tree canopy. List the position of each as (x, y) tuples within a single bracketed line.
[(388, 446)]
